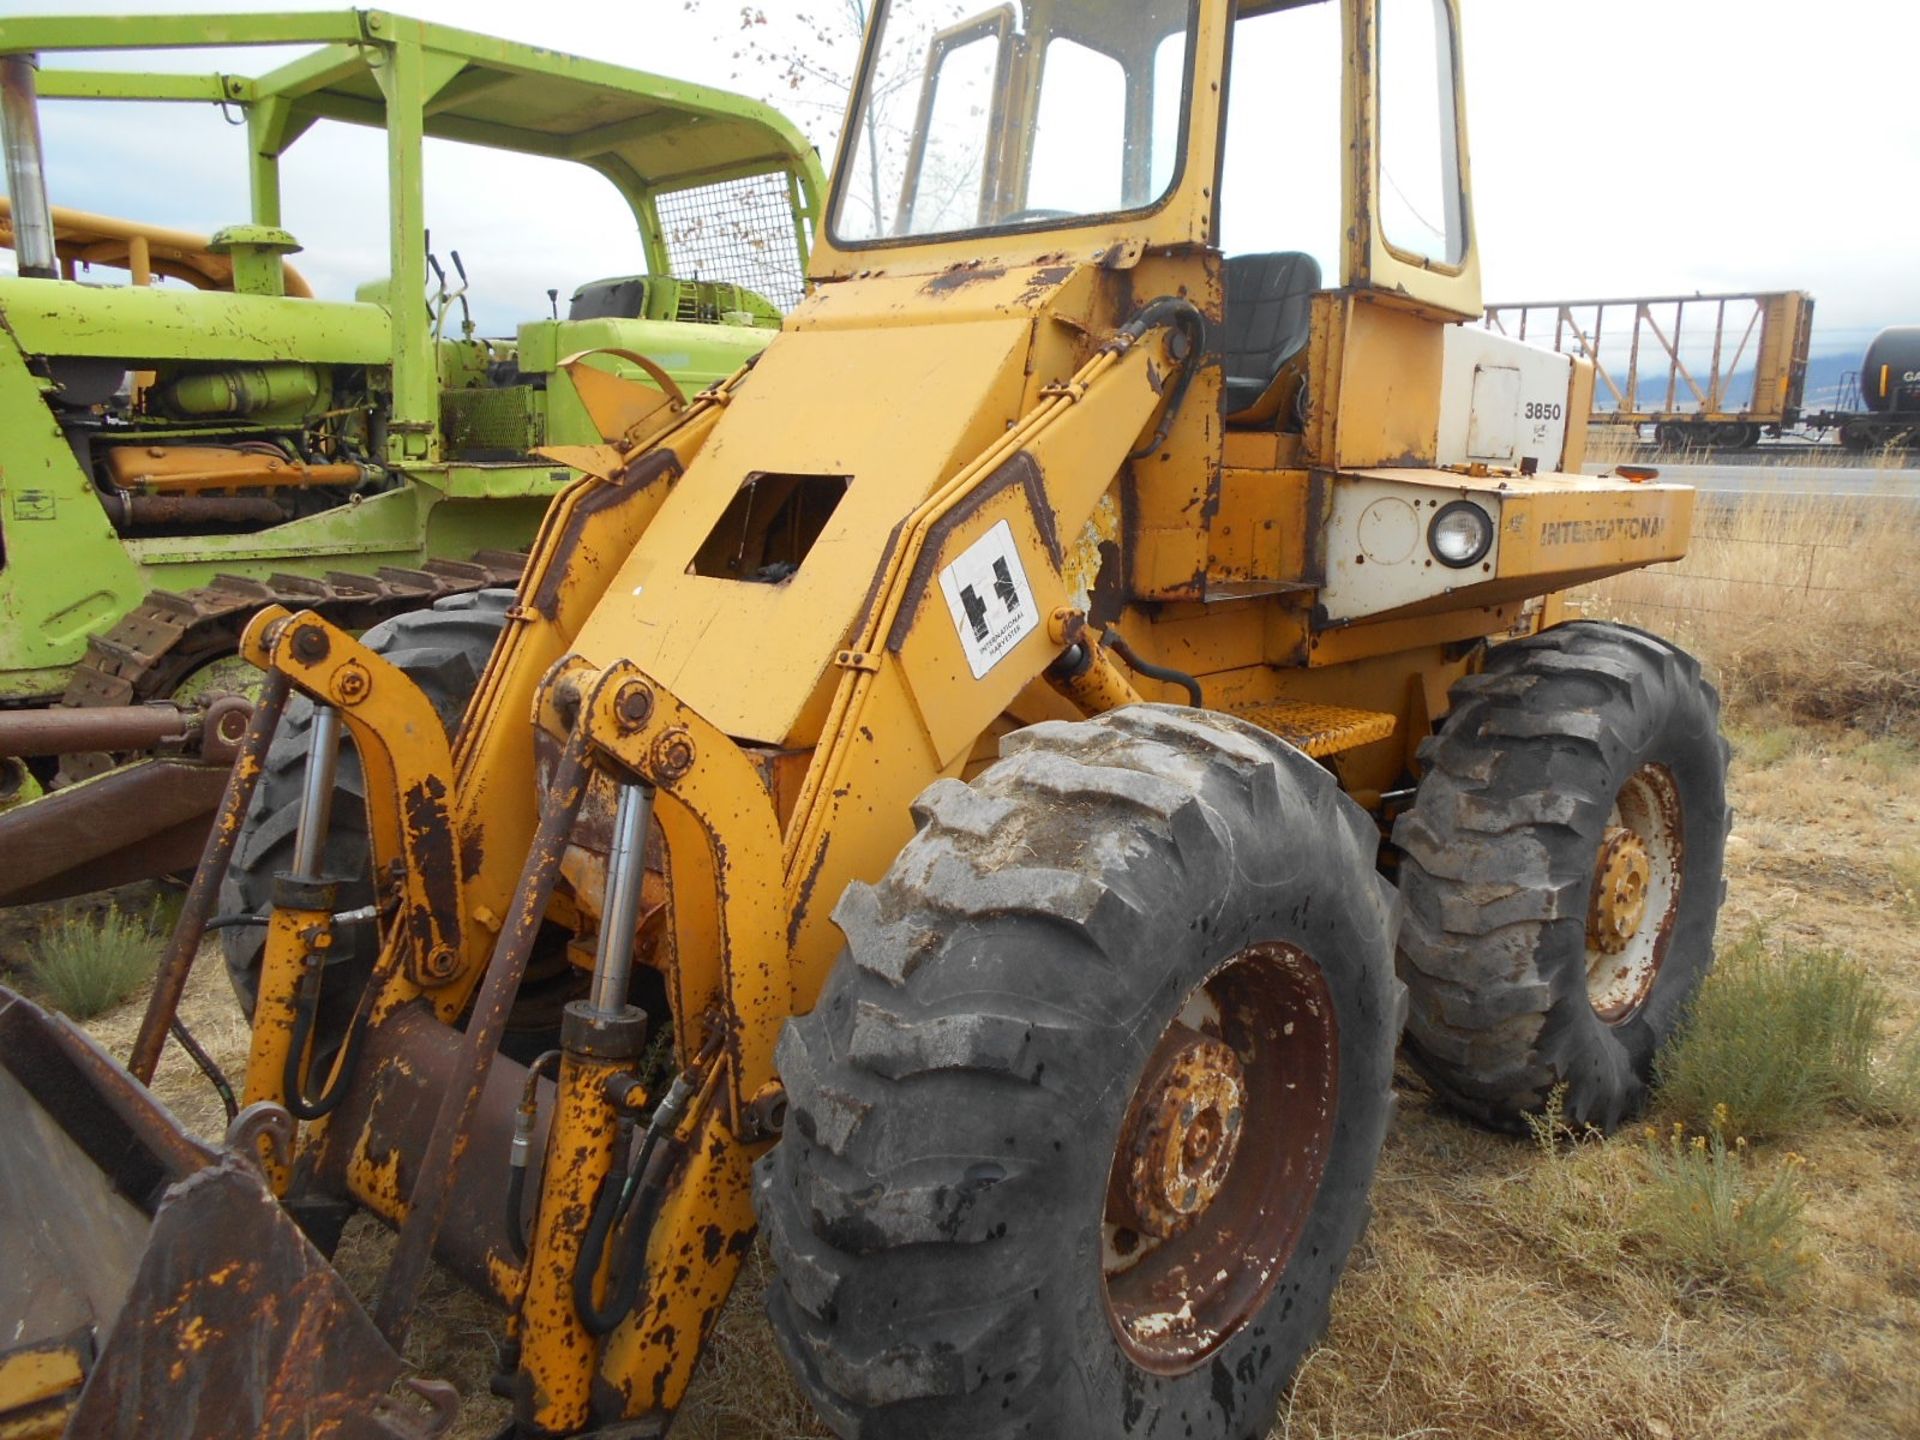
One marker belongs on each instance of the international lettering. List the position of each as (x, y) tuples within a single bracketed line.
[(1603, 532)]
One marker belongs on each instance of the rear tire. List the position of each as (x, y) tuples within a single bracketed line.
[(444, 649), (1517, 985), (941, 1207)]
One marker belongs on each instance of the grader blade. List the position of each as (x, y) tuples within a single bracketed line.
[(150, 1285)]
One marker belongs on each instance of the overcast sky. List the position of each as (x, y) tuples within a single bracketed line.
[(1630, 147)]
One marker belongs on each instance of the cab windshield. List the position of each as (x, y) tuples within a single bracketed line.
[(1032, 113)]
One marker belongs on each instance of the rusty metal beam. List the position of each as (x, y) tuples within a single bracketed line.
[(439, 1166), (204, 893), (142, 820)]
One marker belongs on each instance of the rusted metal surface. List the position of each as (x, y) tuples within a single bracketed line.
[(1181, 1135), (145, 819), (1259, 1036), (371, 1145), (1318, 730), (236, 1325), (122, 727), (405, 763), (39, 1384), (125, 1132), (557, 1351), (204, 893), (1636, 893), (144, 512), (427, 1211), (1620, 876), (167, 636), (85, 1158)]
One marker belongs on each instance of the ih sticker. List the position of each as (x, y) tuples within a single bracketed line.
[(992, 603)]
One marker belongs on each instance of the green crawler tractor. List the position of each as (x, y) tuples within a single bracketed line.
[(181, 449)]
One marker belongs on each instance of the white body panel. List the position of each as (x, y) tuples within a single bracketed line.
[(1502, 402), (1378, 558)]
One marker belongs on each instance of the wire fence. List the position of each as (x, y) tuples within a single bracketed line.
[(1800, 566), (738, 232)]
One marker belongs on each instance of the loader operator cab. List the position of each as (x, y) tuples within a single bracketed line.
[(1052, 115)]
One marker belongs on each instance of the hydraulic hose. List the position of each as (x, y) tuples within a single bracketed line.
[(617, 1194), (207, 1065), (1185, 317), (520, 1152), (292, 1082), (635, 1200), (1118, 644)]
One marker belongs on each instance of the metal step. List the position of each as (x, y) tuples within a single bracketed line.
[(1318, 730)]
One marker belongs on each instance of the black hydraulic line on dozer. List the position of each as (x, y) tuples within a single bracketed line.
[(206, 1064), (1117, 643), (1191, 325)]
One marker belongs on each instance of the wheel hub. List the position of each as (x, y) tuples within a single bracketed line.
[(1182, 1133), (1622, 875), (1637, 877)]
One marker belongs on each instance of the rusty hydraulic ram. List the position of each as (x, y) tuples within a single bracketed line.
[(62, 730)]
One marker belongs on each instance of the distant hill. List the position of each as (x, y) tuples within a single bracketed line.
[(1826, 380), (1825, 377)]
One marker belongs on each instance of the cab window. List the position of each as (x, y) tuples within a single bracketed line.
[(1422, 208), (1031, 113)]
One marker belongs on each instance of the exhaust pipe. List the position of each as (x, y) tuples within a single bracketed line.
[(26, 168)]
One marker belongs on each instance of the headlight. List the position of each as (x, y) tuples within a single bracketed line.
[(1460, 534)]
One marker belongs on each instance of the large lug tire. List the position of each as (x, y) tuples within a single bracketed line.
[(1562, 874), (444, 649), (1155, 938)]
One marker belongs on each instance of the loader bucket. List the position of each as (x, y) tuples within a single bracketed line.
[(152, 1285)]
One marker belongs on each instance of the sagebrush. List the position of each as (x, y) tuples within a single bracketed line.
[(1727, 1224), (1781, 1035), (89, 962)]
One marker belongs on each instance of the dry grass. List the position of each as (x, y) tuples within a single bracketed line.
[(1610, 445), (1802, 609)]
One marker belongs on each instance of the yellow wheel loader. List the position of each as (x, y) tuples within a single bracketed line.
[(975, 798)]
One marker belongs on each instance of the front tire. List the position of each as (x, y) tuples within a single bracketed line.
[(1562, 874), (1083, 1124)]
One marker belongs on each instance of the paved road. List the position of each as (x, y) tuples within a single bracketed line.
[(1794, 480)]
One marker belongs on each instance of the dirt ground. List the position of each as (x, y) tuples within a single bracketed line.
[(1457, 1318)]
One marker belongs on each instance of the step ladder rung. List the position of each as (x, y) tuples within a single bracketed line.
[(1318, 730)]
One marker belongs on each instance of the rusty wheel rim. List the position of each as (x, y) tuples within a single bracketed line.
[(1636, 893), (1220, 1158)]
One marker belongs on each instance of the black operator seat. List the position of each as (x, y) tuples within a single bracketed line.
[(1267, 323)]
